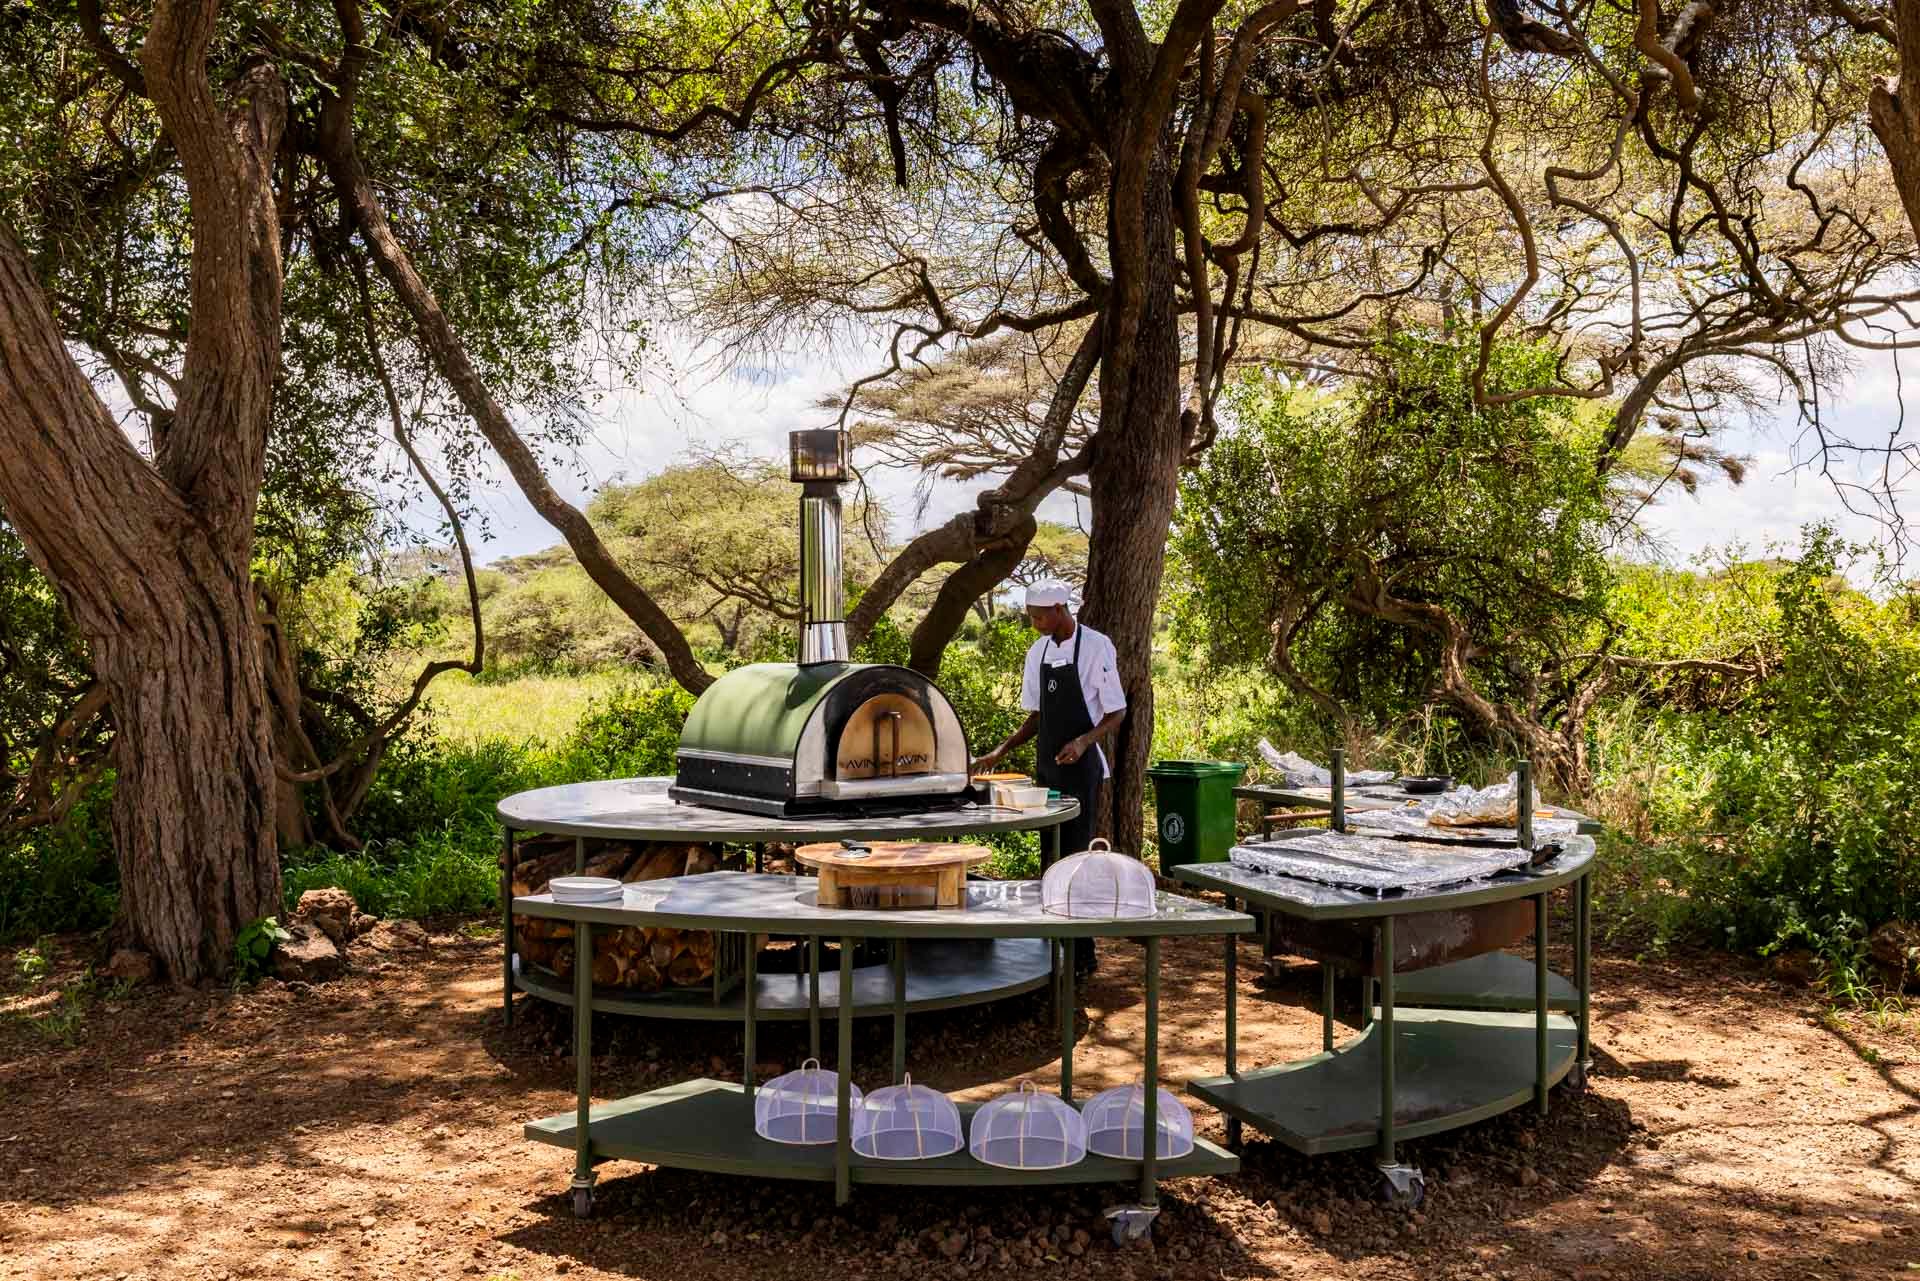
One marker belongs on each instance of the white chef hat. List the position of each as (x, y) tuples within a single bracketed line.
[(1047, 594)]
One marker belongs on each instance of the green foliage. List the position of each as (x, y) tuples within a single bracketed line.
[(30, 963), (60, 878), (1793, 817), (1344, 526), (253, 947)]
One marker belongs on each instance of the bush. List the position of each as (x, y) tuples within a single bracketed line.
[(61, 879), (1789, 816)]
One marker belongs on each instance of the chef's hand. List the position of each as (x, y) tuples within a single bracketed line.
[(981, 764), (1073, 751)]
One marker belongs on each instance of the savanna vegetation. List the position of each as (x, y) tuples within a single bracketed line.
[(1362, 332)]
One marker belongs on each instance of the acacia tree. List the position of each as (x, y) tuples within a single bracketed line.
[(1661, 197), (151, 556)]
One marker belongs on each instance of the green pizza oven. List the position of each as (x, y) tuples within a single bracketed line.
[(790, 739)]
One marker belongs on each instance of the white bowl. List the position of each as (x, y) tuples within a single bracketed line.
[(1027, 798)]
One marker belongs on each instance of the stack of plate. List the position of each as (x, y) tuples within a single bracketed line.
[(584, 889)]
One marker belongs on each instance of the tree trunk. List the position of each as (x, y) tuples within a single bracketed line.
[(152, 558), (194, 799), (1134, 479)]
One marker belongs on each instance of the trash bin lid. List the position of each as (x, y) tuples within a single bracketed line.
[(1195, 769)]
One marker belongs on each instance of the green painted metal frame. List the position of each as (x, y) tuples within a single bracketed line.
[(720, 1151), (1379, 1026)]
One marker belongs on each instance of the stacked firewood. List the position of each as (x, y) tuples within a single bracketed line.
[(642, 959)]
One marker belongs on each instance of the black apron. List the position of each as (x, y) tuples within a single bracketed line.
[(1063, 718)]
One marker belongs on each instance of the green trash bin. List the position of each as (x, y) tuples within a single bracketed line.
[(1195, 801)]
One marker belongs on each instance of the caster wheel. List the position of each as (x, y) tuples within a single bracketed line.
[(1403, 1190), (1129, 1223), (583, 1203)]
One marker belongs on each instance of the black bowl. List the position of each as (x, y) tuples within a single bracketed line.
[(1425, 784)]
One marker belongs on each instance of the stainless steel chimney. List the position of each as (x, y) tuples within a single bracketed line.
[(819, 464)]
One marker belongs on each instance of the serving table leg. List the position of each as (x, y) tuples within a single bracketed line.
[(1066, 1020), (751, 1003), (1326, 1005), (897, 960), (1540, 1002), (506, 932), (1386, 1041), (582, 1068), (813, 995), (843, 1118), (1233, 1024), (1149, 1118), (1583, 974)]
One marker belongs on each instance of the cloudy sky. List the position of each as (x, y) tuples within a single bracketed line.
[(684, 404)]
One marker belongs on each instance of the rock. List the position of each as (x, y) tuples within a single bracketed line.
[(131, 966), (1528, 1176), (1796, 966), (1322, 1223), (362, 922), (1896, 947), (952, 1244), (308, 957), (330, 910), (394, 936)]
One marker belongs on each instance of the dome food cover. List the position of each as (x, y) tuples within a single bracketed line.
[(906, 1123), (801, 1107), (1116, 1119), (1099, 884), (1028, 1130)]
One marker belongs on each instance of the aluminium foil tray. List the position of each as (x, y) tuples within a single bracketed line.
[(1376, 865)]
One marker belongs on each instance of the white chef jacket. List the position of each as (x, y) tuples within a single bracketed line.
[(1098, 665)]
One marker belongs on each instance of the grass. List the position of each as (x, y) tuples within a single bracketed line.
[(531, 708)]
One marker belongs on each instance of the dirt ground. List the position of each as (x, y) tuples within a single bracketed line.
[(370, 1128)]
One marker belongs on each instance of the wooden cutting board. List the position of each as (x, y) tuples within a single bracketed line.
[(892, 874)]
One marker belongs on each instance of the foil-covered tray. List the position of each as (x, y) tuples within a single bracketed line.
[(1410, 823), (1376, 865)]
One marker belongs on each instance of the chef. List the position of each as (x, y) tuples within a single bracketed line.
[(1072, 696)]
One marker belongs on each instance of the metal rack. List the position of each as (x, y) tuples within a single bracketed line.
[(708, 1125), (1486, 1039)]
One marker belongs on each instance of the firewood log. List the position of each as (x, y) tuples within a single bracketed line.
[(687, 970), (606, 968)]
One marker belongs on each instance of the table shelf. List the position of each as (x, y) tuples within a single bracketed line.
[(942, 974), (1492, 981), (1451, 1068), (708, 1125)]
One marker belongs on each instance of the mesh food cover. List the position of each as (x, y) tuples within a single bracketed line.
[(801, 1107), (1098, 883), (906, 1123), (1116, 1119), (1028, 1130)]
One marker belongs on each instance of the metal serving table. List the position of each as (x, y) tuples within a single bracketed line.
[(708, 1125), (940, 974), (1447, 1067)]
